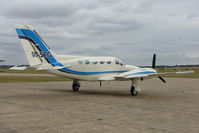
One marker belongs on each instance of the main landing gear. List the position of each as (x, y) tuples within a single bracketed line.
[(76, 85), (134, 88)]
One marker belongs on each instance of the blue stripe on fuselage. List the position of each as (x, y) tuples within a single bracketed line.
[(89, 73)]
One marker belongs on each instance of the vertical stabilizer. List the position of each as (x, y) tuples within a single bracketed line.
[(28, 46), (36, 50)]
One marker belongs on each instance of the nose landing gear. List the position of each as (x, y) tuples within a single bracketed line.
[(135, 88), (133, 91)]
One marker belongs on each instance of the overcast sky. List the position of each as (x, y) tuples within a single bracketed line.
[(131, 30)]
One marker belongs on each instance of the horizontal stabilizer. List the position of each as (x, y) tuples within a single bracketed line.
[(18, 68), (50, 67)]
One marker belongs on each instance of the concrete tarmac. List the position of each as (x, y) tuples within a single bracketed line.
[(52, 107)]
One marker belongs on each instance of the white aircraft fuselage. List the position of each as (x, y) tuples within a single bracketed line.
[(95, 68)]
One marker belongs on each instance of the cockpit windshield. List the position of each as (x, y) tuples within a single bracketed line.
[(119, 62)]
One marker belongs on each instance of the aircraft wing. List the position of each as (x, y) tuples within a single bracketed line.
[(145, 74), (172, 73)]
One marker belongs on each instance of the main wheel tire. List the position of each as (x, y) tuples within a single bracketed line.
[(75, 87), (133, 91)]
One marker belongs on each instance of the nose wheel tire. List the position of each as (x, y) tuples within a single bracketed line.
[(133, 91)]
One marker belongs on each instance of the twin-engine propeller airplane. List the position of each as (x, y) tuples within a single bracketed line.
[(85, 68)]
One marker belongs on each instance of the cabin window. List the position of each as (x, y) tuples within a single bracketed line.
[(94, 62), (86, 61), (117, 62), (102, 62), (108, 62), (79, 61)]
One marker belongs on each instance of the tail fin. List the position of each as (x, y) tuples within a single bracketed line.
[(36, 50)]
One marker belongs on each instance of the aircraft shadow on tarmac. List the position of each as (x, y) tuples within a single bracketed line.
[(142, 95), (60, 93), (94, 92)]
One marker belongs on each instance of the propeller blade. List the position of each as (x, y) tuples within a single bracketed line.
[(162, 79), (154, 61)]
